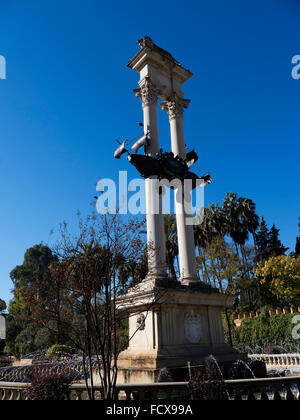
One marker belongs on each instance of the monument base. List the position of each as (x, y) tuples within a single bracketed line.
[(170, 327)]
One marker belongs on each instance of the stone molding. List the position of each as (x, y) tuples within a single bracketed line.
[(150, 297)]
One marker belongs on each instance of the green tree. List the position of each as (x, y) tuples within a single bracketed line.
[(236, 229), (204, 234), (280, 275), (297, 250), (2, 306), (262, 238), (32, 278), (237, 212), (223, 266), (31, 281), (92, 273), (275, 246), (248, 216)]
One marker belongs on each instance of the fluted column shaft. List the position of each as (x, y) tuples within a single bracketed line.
[(155, 222), (186, 242)]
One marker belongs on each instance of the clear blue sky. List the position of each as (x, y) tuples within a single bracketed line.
[(68, 95)]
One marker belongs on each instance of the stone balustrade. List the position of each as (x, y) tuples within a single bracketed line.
[(10, 391), (277, 389), (249, 389), (279, 362)]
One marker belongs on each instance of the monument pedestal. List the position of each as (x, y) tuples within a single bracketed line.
[(169, 326)]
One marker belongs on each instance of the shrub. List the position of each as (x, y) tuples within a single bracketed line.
[(264, 333), (49, 386), (59, 352)]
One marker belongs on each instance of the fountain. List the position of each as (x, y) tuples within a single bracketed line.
[(164, 375), (241, 370)]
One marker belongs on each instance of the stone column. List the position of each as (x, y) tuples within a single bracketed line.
[(155, 222), (186, 242)]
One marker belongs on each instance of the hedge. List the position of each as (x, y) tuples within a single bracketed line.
[(260, 334)]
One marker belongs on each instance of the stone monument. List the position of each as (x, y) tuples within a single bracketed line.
[(171, 323)]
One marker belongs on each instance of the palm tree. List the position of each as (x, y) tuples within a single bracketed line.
[(216, 220), (203, 236), (236, 229), (250, 219), (242, 220), (213, 226)]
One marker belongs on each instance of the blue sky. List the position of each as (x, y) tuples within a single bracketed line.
[(68, 95)]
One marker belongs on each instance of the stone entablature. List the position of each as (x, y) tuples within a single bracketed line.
[(158, 64)]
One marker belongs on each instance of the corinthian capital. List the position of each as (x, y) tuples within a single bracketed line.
[(148, 92), (175, 106)]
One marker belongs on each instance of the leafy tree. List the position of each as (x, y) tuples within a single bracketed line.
[(2, 306), (93, 273), (36, 263), (275, 246), (32, 281), (135, 271), (297, 251), (59, 352), (298, 246), (268, 243), (24, 342), (281, 276), (262, 238), (204, 234), (222, 265), (236, 219)]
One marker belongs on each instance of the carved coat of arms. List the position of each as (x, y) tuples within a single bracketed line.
[(193, 327), (141, 322)]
